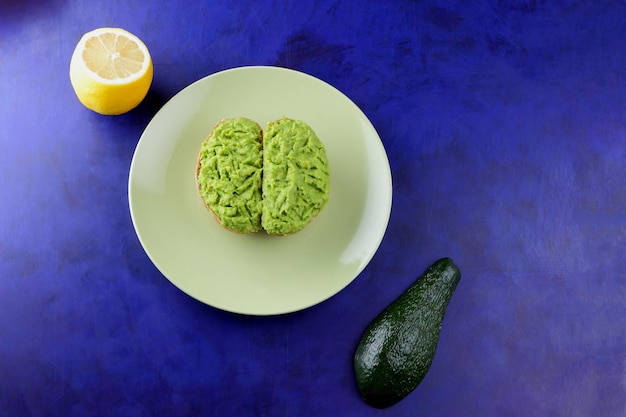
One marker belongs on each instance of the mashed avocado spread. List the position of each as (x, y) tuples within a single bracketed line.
[(230, 173), (296, 177)]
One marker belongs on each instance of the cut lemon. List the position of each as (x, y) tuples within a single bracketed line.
[(111, 71)]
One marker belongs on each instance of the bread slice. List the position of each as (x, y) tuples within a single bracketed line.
[(276, 181), (296, 176), (229, 173)]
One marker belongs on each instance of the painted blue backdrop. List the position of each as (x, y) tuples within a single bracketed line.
[(505, 126)]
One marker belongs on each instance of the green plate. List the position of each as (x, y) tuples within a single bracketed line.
[(259, 274)]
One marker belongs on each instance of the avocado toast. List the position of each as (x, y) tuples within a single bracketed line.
[(229, 174), (276, 181)]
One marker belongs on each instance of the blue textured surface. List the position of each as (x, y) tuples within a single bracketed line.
[(505, 126)]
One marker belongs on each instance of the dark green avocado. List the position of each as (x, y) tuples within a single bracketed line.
[(398, 347)]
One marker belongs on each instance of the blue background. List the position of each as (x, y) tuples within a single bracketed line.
[(505, 126)]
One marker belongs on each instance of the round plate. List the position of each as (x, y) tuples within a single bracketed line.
[(259, 274)]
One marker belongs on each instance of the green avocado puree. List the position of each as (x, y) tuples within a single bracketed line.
[(296, 178), (229, 178)]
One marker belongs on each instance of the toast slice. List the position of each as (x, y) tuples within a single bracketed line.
[(296, 176), (229, 173)]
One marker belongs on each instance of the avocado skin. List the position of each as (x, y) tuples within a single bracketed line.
[(398, 347)]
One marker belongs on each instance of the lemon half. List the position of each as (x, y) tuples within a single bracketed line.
[(111, 71)]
